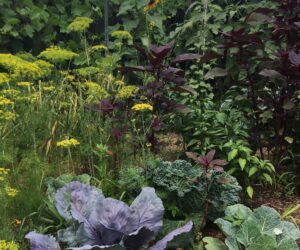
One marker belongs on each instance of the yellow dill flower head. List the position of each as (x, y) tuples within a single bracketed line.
[(95, 92), (67, 143), (24, 84), (48, 88), (142, 107), (127, 92), (119, 83), (19, 68), (8, 245), (87, 71), (7, 116), (122, 34), (5, 101), (99, 47), (80, 24), (56, 54), (13, 93), (45, 66), (4, 78), (4, 171), (11, 192)]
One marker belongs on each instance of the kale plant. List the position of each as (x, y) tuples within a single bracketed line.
[(186, 185), (95, 222), (261, 228)]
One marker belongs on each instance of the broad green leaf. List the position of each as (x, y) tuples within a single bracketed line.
[(287, 243), (290, 229), (215, 72), (232, 243), (221, 117), (252, 171), (214, 244), (257, 18), (267, 219), (268, 178), (237, 212), (263, 242), (250, 191), (290, 140), (232, 154), (231, 171), (242, 163), (226, 226)]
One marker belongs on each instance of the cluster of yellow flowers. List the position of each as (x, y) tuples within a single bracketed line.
[(95, 92), (20, 68), (7, 115), (12, 93), (80, 24), (67, 143), (99, 47), (127, 92), (142, 107), (45, 66), (56, 54), (120, 83), (12, 192), (87, 71), (3, 172), (48, 88), (3, 78), (122, 34), (8, 245), (5, 101), (24, 84)]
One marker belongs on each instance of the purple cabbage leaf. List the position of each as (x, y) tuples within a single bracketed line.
[(42, 242), (176, 238), (95, 222)]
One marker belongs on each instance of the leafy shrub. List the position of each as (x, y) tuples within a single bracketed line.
[(132, 179), (185, 184), (247, 167), (96, 222), (261, 228)]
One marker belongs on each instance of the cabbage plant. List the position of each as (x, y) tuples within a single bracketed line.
[(95, 222), (261, 229)]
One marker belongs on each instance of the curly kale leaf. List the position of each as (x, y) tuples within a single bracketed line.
[(178, 176)]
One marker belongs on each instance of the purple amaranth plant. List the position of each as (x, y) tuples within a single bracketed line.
[(166, 77), (207, 162)]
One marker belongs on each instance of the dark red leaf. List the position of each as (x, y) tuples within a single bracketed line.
[(172, 71), (192, 155), (210, 155), (218, 162), (118, 133), (185, 88), (209, 56), (202, 160), (162, 51), (106, 106), (294, 58), (273, 74), (186, 57)]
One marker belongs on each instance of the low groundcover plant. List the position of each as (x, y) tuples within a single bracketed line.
[(95, 222)]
